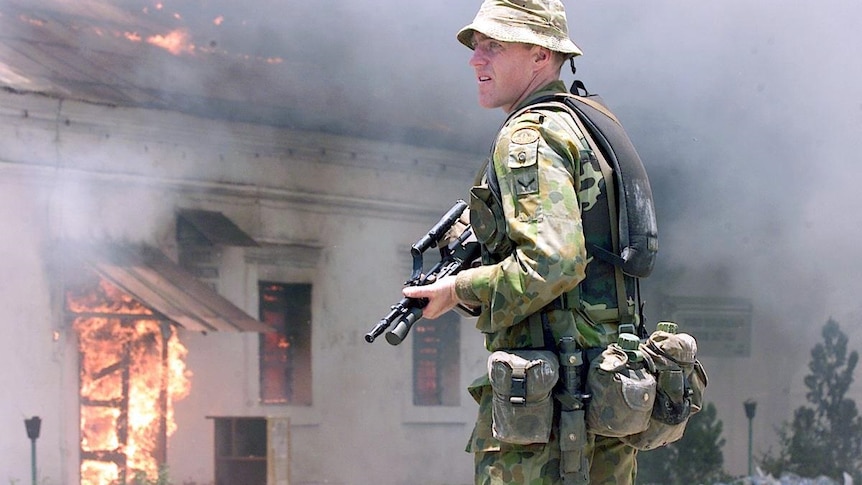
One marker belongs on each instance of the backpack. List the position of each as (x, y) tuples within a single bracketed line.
[(636, 221), (631, 211)]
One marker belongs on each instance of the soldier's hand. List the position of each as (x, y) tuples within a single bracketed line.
[(440, 294)]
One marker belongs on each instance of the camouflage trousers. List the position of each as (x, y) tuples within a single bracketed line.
[(612, 463)]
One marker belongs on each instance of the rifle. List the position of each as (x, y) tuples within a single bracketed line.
[(454, 257)]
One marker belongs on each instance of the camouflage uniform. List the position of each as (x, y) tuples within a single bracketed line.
[(535, 251), (537, 214)]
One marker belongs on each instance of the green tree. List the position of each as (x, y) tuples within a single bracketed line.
[(695, 459), (825, 437)]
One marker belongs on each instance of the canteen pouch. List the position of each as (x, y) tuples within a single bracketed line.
[(623, 394), (681, 381), (522, 381)]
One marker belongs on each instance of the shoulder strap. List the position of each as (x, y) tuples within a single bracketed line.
[(619, 277), (583, 112)]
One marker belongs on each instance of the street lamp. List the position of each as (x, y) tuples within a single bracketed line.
[(750, 408), (33, 425)]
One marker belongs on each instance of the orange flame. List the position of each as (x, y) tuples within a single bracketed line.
[(132, 371), (176, 42)]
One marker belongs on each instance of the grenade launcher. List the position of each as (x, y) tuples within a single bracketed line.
[(459, 254)]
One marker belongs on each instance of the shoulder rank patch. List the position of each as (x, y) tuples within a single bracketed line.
[(525, 136)]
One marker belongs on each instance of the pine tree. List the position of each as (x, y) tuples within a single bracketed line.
[(824, 438)]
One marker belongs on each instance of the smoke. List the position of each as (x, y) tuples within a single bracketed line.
[(750, 115)]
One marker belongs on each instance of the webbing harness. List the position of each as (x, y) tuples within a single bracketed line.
[(539, 330)]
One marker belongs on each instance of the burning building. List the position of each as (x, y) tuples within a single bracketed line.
[(188, 295), (187, 292), (149, 338)]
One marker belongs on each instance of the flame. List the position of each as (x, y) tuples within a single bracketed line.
[(132, 371), (99, 473), (99, 429), (176, 42), (103, 297)]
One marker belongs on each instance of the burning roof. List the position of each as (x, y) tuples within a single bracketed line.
[(272, 64)]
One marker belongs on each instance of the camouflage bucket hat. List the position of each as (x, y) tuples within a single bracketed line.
[(537, 22)]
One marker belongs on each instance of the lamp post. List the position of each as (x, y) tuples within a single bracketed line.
[(750, 408), (33, 426)]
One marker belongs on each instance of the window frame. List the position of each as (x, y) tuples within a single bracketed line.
[(297, 387)]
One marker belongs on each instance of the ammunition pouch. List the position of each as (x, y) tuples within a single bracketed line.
[(486, 213), (681, 381), (574, 465), (623, 394), (522, 382)]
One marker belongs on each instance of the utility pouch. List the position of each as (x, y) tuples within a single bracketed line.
[(486, 212), (574, 465), (681, 382), (522, 381), (623, 393)]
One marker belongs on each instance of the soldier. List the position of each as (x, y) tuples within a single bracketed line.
[(529, 210)]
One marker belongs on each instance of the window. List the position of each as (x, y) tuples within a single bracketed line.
[(240, 451), (285, 355), (251, 450), (436, 361)]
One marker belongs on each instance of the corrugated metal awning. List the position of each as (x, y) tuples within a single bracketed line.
[(151, 277), (215, 227)]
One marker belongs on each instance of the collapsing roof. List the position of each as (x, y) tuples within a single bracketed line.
[(148, 275)]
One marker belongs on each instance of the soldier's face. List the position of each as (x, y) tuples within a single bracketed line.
[(503, 71)]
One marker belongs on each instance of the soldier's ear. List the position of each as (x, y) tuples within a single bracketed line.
[(541, 55)]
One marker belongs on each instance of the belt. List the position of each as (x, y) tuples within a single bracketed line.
[(572, 301)]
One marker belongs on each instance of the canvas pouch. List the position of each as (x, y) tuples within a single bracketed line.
[(681, 381), (522, 382), (623, 394)]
